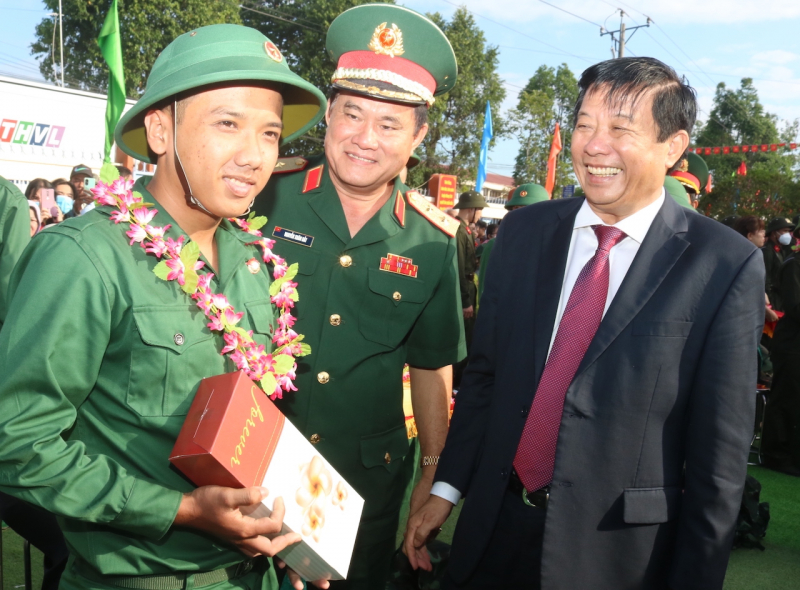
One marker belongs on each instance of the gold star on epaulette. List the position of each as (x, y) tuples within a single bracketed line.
[(291, 164), (436, 216)]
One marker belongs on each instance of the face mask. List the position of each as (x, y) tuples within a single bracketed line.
[(785, 239), (64, 203)]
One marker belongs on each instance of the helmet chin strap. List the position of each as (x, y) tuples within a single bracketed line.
[(192, 199)]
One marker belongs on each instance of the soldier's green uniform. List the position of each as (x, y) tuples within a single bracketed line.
[(366, 312), (15, 233), (100, 361)]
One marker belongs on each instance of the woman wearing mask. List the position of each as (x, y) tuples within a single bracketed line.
[(776, 250)]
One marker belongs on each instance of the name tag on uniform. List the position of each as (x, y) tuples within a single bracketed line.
[(292, 236), (399, 264)]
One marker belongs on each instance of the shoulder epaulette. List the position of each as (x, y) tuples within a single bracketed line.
[(313, 178), (292, 164), (436, 216)]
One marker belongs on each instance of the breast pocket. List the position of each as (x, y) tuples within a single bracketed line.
[(171, 351), (260, 315), (390, 307)]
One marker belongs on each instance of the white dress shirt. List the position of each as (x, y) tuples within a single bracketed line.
[(582, 247)]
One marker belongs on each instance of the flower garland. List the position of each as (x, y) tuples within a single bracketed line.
[(275, 371)]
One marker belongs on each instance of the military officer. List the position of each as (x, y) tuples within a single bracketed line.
[(15, 233), (377, 271), (676, 190), (692, 172), (99, 359), (776, 249)]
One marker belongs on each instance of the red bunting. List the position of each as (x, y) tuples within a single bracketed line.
[(764, 147)]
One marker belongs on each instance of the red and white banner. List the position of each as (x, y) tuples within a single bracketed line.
[(742, 149)]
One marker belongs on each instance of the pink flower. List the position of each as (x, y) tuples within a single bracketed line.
[(177, 270), (143, 215), (174, 246), (283, 337), (157, 246), (121, 186), (284, 297), (286, 321), (238, 359), (129, 199), (103, 194), (231, 317), (203, 299), (122, 216), (220, 301), (215, 325), (137, 234), (233, 341), (279, 271), (285, 383), (203, 281)]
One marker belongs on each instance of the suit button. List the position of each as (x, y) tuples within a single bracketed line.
[(314, 438), (345, 260), (323, 377), (524, 411), (387, 458), (504, 473), (335, 319), (397, 296)]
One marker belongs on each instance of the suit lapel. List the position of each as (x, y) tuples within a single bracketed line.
[(551, 267), (662, 247)]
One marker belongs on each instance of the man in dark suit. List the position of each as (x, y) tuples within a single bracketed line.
[(601, 432)]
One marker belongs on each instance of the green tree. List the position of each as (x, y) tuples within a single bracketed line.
[(548, 98), (147, 27), (455, 121)]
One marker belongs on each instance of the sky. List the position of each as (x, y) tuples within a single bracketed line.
[(708, 41)]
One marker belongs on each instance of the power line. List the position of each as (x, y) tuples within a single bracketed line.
[(570, 13), (515, 31), (253, 3), (539, 51), (243, 7)]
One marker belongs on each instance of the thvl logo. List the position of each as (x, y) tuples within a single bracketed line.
[(30, 133)]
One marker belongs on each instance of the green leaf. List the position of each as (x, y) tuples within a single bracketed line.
[(283, 363), (268, 383), (275, 287), (257, 222), (305, 349), (108, 173), (291, 272), (189, 281), (295, 296), (161, 270), (190, 253), (242, 333)]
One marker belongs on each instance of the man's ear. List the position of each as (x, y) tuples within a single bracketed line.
[(677, 147), (423, 131), (328, 112), (158, 129)]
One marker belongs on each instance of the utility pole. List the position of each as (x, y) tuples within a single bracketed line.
[(61, 36), (620, 43)]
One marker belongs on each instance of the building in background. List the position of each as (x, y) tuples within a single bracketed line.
[(496, 189)]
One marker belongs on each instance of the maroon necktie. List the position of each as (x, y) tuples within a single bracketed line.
[(536, 453)]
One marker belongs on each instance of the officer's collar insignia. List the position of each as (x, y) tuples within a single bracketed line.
[(400, 209), (400, 265), (290, 164), (273, 52), (387, 41), (436, 216), (313, 178), (292, 236)]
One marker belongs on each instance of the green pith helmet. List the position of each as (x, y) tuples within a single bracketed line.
[(676, 191), (470, 200), (692, 172), (218, 54), (527, 194), (414, 160), (390, 53)]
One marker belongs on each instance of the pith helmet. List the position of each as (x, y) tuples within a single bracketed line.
[(390, 53), (527, 194), (217, 54), (779, 223), (692, 172), (470, 200), (676, 191)]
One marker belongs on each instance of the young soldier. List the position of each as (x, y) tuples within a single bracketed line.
[(377, 272), (100, 359)]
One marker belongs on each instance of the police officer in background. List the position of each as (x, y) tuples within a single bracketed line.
[(776, 250), (377, 273)]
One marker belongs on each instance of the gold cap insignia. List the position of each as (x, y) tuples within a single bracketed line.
[(386, 41), (273, 51), (684, 165), (523, 194)]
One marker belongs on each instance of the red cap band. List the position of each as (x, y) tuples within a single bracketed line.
[(364, 60)]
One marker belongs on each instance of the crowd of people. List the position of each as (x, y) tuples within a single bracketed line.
[(604, 348)]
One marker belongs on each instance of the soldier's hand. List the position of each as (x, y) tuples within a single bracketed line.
[(219, 510), (421, 524), (469, 312), (297, 581)]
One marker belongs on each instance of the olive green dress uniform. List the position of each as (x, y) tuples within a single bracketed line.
[(100, 361), (15, 233), (364, 318), (466, 265)]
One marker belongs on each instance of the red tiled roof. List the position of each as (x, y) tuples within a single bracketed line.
[(499, 179)]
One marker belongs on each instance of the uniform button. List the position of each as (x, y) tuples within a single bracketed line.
[(396, 296), (345, 260), (314, 438), (323, 377), (524, 411), (503, 473), (335, 319), (387, 457), (179, 339)]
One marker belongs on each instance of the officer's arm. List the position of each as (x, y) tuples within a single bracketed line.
[(51, 349), (15, 233), (462, 268)]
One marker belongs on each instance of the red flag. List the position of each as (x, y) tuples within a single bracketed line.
[(792, 146), (716, 150), (555, 149), (736, 149), (726, 150), (742, 169)]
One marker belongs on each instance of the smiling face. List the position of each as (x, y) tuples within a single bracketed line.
[(616, 156), (228, 141), (368, 142)]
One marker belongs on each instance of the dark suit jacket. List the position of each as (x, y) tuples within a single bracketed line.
[(667, 382)]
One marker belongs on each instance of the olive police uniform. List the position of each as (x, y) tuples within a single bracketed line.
[(368, 305), (15, 233), (100, 359), (466, 264), (774, 255)]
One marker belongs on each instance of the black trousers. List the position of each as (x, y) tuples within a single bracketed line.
[(513, 557), (42, 531), (781, 438)]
